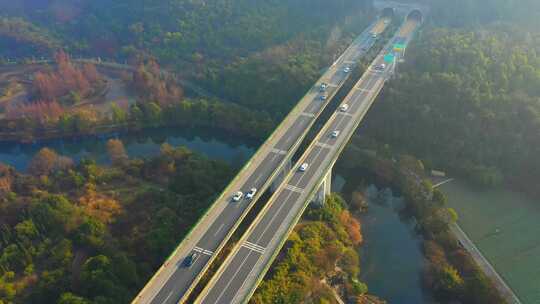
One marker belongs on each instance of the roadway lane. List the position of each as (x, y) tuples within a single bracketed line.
[(173, 281), (233, 283)]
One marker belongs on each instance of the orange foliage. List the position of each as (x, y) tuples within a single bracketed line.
[(67, 78), (152, 85), (46, 161), (352, 226), (42, 111), (99, 206)]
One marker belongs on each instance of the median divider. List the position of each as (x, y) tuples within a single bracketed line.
[(297, 216), (258, 156)]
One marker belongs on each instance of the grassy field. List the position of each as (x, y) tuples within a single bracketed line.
[(505, 226)]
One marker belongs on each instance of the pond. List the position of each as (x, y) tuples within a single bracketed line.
[(140, 144), (505, 227), (391, 258)]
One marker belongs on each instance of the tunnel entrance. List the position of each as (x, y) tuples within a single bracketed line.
[(388, 12), (415, 15)]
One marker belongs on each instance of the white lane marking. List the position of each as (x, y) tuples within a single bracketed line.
[(289, 187), (278, 151), (203, 251), (167, 298), (219, 229), (345, 114), (253, 247), (233, 277), (258, 178), (364, 90), (322, 145), (308, 115), (294, 189)]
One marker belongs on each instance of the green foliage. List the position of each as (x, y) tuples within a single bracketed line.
[(57, 246), (468, 102), (69, 298), (19, 38), (312, 252)]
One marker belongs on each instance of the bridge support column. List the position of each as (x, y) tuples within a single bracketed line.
[(281, 175), (325, 188)]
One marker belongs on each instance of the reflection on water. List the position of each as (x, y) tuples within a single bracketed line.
[(140, 144), (391, 256)]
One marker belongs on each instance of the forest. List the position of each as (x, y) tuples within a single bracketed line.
[(84, 233), (467, 100)]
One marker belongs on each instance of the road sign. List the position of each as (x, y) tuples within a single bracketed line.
[(389, 58)]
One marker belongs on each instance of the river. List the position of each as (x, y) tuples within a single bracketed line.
[(140, 144), (391, 258), (505, 227)]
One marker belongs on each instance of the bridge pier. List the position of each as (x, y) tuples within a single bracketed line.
[(325, 188)]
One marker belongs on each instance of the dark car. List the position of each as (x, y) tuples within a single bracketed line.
[(190, 259)]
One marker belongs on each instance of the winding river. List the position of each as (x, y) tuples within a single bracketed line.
[(140, 144)]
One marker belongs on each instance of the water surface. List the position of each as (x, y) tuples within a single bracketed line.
[(505, 226), (391, 256), (140, 144)]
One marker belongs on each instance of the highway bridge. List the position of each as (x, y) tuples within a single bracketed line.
[(173, 282), (237, 278)]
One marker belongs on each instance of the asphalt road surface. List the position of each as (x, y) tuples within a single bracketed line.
[(236, 279), (174, 280)]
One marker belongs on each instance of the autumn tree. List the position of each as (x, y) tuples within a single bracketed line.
[(98, 205), (65, 79), (117, 152), (352, 226), (153, 86), (46, 161)]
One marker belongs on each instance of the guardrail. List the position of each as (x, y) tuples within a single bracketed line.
[(297, 216), (299, 108)]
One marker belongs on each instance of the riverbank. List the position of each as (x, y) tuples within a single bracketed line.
[(503, 226), (141, 144), (449, 272)]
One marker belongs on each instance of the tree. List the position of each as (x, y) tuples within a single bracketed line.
[(453, 215), (43, 162), (98, 276), (117, 152), (448, 281), (352, 226), (70, 298)]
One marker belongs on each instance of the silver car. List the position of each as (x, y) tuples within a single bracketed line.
[(238, 196)]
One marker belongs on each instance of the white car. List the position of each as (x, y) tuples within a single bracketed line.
[(344, 107), (251, 193), (323, 87), (374, 36), (386, 21), (238, 196), (335, 134), (380, 67), (347, 69), (303, 167)]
